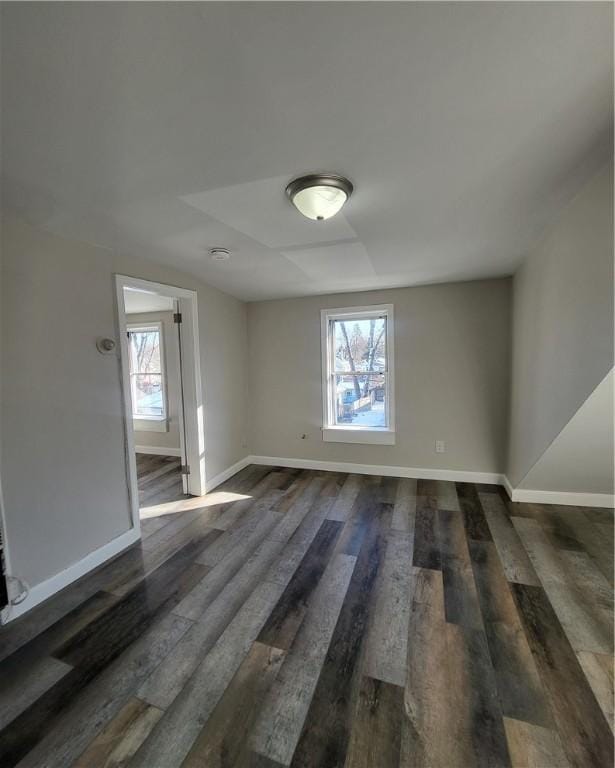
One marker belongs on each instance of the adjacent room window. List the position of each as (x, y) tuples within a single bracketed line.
[(147, 381), (357, 345)]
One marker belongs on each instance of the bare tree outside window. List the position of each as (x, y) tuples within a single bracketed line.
[(146, 379), (359, 375)]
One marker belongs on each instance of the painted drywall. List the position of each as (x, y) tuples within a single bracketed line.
[(4, 562), (63, 468), (580, 459), (139, 302), (451, 380), (145, 437), (563, 325)]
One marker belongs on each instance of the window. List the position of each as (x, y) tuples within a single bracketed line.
[(147, 385), (357, 347)]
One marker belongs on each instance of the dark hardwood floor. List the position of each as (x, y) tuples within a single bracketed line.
[(160, 482), (303, 618)]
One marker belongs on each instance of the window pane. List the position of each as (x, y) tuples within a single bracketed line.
[(360, 400), (360, 345), (145, 351), (147, 394)]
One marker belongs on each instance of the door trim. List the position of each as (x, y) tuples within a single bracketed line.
[(191, 378)]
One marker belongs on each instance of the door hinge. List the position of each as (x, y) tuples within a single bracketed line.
[(184, 469), (177, 317)]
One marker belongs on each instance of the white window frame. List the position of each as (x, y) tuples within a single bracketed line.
[(332, 432), (144, 327)]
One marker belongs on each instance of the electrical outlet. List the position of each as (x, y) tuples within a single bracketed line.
[(440, 446)]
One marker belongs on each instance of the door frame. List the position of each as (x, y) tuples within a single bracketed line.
[(191, 383)]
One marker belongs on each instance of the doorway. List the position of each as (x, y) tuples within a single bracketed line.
[(161, 385)]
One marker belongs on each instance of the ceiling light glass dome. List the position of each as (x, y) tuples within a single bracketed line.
[(319, 196)]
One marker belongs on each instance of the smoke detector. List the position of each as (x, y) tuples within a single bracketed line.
[(219, 254)]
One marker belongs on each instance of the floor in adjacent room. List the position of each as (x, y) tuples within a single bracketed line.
[(160, 482), (305, 618)]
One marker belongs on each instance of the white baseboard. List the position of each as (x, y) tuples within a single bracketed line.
[(563, 498), (603, 500), (153, 449), (424, 473), (215, 481), (508, 487), (47, 588), (54, 584)]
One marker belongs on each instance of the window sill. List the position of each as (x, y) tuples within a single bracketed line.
[(365, 436), (150, 424)]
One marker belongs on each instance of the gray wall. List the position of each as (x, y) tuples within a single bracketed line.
[(170, 346), (62, 456), (581, 458), (563, 324), (63, 468), (452, 370)]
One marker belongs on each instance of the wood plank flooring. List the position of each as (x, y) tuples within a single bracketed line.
[(159, 481), (319, 620)]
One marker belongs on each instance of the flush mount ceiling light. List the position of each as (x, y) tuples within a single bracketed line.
[(319, 196)]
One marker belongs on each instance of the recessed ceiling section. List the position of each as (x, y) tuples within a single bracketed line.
[(183, 236), (261, 210), (465, 128), (347, 261)]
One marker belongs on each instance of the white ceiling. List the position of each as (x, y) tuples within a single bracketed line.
[(164, 129), (137, 302)]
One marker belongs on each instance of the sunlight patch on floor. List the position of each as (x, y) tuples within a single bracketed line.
[(194, 502)]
